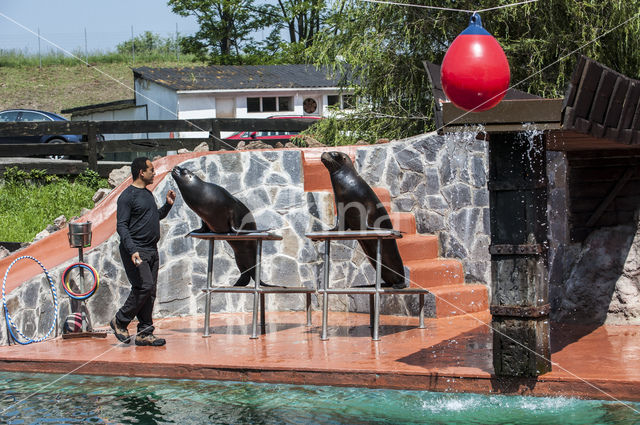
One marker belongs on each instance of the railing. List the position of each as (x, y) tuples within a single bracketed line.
[(93, 148)]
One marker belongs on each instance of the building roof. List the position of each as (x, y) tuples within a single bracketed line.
[(603, 103), (100, 107), (233, 77)]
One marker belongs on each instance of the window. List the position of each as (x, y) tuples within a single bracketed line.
[(285, 104), (270, 104), (348, 101), (253, 104), (345, 101), (33, 117), (9, 116)]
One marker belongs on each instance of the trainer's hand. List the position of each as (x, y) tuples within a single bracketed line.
[(171, 196), (135, 258)]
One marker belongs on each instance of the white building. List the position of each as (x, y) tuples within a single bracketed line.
[(223, 91)]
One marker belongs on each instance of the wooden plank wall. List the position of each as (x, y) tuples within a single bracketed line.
[(604, 190)]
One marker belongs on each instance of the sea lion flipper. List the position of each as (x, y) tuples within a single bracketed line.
[(203, 229), (336, 227)]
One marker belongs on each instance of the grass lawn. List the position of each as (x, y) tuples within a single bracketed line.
[(67, 84)]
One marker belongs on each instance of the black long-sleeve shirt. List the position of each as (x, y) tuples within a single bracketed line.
[(138, 219)]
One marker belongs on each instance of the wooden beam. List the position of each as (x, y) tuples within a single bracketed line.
[(506, 112), (8, 129)]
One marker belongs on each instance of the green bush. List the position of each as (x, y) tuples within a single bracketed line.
[(30, 201)]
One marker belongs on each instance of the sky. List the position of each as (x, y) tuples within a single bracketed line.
[(63, 22)]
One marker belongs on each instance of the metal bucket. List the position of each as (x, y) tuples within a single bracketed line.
[(79, 235)]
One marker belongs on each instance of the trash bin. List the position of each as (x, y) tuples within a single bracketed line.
[(80, 235)]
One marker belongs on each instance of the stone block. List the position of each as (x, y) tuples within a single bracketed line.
[(429, 147), (292, 165), (404, 203), (409, 181), (231, 163), (479, 171), (408, 158), (457, 195), (429, 222), (464, 224)]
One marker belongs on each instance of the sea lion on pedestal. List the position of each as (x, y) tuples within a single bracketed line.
[(360, 209), (220, 212)]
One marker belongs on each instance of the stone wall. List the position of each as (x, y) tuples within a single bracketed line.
[(442, 180)]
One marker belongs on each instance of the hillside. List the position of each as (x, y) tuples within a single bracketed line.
[(57, 87)]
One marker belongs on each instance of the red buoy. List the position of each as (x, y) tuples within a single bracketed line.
[(475, 71)]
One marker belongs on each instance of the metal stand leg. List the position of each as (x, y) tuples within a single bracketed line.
[(421, 315), (308, 305), (262, 313), (325, 286), (256, 289), (376, 303), (371, 301), (207, 305)]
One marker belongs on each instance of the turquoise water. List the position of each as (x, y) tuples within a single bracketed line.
[(53, 399)]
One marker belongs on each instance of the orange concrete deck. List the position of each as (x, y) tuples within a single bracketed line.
[(451, 354)]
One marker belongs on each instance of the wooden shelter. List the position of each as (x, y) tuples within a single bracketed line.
[(597, 125)]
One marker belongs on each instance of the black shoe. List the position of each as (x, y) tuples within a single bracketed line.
[(121, 333), (150, 339)]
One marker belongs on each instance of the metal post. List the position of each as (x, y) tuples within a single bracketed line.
[(371, 301), (325, 287), (308, 299), (376, 302), (39, 53), (207, 305), (421, 315), (262, 313), (177, 45), (86, 49), (84, 302), (133, 49), (256, 299)]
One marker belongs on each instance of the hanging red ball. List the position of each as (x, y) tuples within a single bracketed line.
[(475, 71)]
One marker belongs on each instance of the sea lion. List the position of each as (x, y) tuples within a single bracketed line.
[(360, 209), (220, 212)]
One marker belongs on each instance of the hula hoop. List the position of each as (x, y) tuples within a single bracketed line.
[(65, 281), (12, 326)]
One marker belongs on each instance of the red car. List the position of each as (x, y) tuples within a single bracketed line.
[(271, 134)]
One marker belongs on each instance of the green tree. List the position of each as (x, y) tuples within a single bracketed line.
[(383, 46), (225, 28), (147, 43)]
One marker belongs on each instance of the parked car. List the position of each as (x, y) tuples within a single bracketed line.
[(31, 115), (250, 136)]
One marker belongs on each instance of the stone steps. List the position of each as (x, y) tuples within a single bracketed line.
[(456, 300), (427, 273), (443, 277)]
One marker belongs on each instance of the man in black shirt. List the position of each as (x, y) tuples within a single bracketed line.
[(138, 224)]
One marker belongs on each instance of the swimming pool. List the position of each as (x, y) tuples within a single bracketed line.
[(44, 398)]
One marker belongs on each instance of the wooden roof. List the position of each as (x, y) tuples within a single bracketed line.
[(603, 103)]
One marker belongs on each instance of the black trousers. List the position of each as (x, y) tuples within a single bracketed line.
[(143, 279)]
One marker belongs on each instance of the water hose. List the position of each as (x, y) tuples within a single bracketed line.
[(67, 288), (10, 325)]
